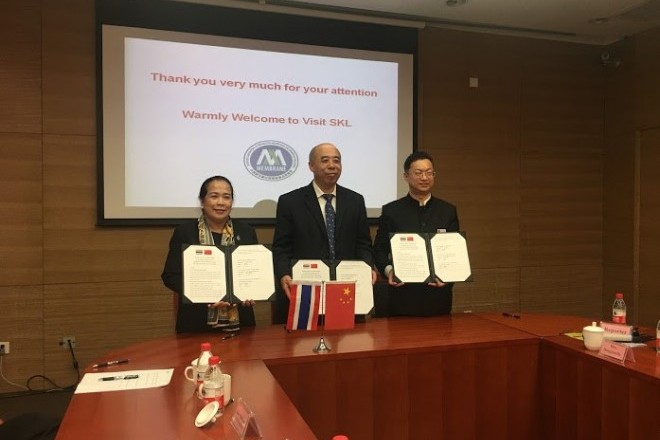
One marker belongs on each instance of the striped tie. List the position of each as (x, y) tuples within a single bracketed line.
[(330, 223)]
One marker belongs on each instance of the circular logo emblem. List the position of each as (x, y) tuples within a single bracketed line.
[(271, 160)]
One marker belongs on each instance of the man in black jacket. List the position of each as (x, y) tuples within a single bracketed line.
[(300, 226), (418, 211)]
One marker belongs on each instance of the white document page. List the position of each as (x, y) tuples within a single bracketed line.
[(409, 258), (252, 270), (204, 278), (310, 270), (450, 257), (360, 272), (94, 383)]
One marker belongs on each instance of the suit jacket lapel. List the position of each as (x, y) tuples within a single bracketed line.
[(340, 204)]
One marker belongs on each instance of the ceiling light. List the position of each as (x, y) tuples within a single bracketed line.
[(452, 3)]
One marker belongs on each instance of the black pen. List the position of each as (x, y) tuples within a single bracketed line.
[(107, 364), (130, 376)]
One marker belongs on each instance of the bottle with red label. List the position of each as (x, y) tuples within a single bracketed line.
[(202, 363), (619, 310), (213, 387), (657, 338)]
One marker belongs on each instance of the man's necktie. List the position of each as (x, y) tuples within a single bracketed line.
[(330, 223)]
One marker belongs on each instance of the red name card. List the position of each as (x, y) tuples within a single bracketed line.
[(616, 332), (244, 422), (616, 351)]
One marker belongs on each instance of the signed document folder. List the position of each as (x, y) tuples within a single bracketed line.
[(211, 274), (345, 270), (424, 258)]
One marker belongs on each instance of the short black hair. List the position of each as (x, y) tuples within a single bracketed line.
[(414, 157), (204, 189)]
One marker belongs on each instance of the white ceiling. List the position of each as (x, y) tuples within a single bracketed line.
[(567, 20)]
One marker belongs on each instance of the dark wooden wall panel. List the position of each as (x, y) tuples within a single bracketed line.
[(586, 398), (646, 85), (74, 248), (616, 390), (466, 393), (21, 218), (566, 389), (619, 176), (573, 290), (523, 387), (20, 75), (588, 392), (530, 138), (459, 411), (561, 156), (21, 198), (69, 72), (426, 385), (393, 404), (354, 414), (561, 179), (643, 410), (629, 202), (648, 302), (22, 325), (102, 316), (618, 219), (475, 132), (618, 196), (489, 390)]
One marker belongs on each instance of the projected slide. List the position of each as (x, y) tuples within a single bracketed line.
[(178, 108)]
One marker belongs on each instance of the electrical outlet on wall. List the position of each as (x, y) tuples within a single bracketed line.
[(64, 342), (4, 347)]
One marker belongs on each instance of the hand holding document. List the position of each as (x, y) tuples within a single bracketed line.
[(410, 259), (360, 272), (425, 258), (252, 272), (204, 279), (451, 262), (345, 270), (210, 273)]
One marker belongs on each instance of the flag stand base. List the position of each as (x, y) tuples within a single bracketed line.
[(322, 347)]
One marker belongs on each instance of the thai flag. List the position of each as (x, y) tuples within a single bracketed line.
[(304, 306)]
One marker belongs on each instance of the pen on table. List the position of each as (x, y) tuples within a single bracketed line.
[(130, 376), (107, 364)]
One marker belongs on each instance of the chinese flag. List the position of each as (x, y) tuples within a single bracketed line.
[(339, 305)]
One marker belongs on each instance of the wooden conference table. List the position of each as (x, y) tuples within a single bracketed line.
[(482, 376)]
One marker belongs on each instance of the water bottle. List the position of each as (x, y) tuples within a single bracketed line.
[(212, 388), (202, 364), (619, 310)]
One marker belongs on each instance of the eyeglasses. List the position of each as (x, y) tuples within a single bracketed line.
[(420, 173)]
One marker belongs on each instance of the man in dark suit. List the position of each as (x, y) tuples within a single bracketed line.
[(300, 227), (418, 211)]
